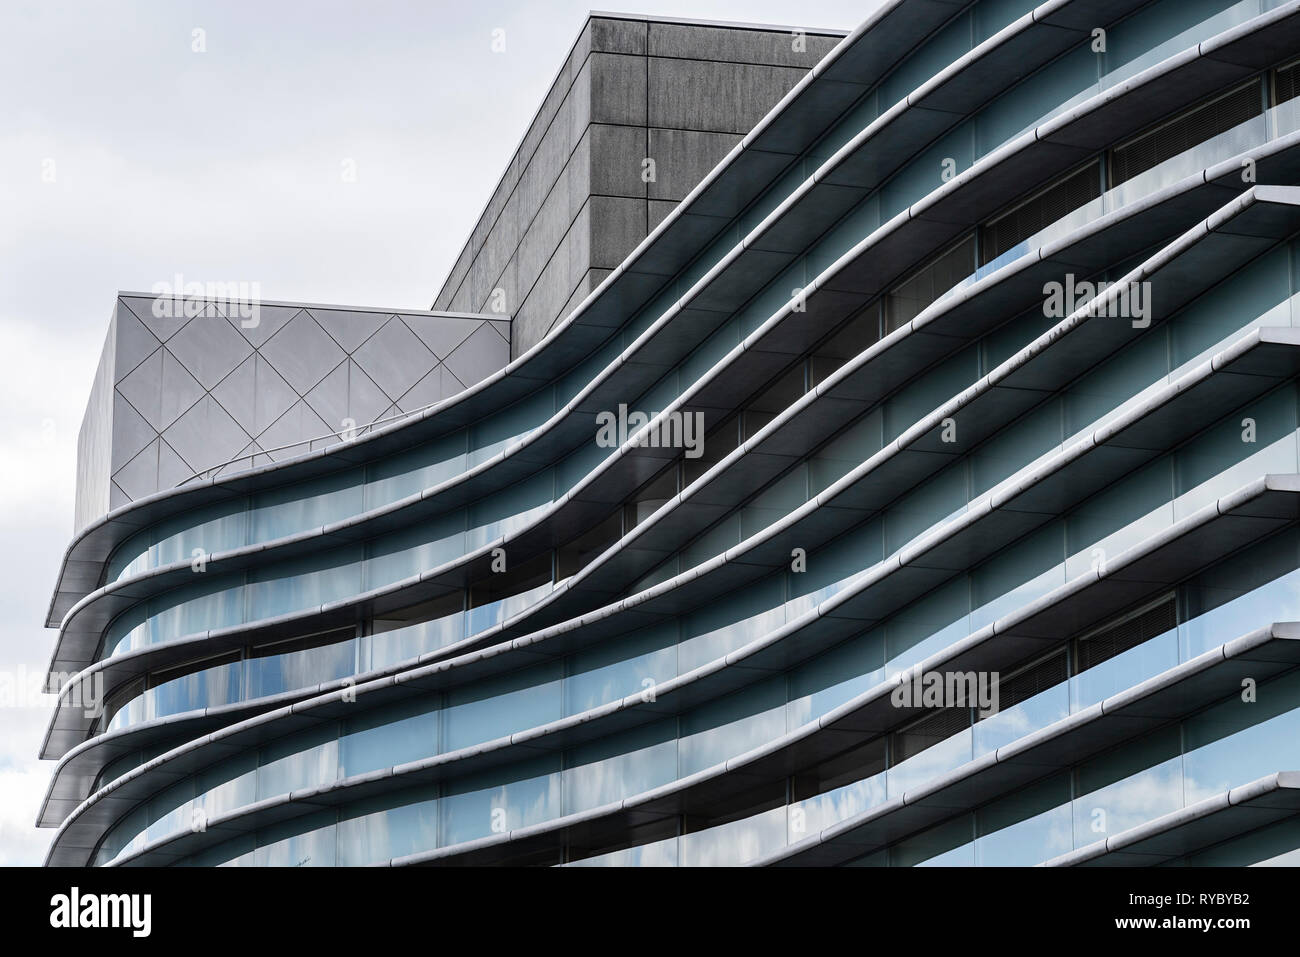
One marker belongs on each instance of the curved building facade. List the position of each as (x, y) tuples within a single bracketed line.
[(922, 486)]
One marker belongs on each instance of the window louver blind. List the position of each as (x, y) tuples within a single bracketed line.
[(1100, 646), (1195, 126), (1039, 676), (905, 301), (929, 731), (1044, 209), (1287, 83)]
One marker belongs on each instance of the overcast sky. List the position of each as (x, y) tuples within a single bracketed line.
[(127, 157)]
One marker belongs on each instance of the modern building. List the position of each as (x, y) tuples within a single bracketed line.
[(895, 460)]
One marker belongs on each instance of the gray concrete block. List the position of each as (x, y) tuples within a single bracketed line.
[(659, 208), (612, 35), (618, 89), (576, 247), (718, 97), (511, 285), (541, 178), (501, 244), (581, 49), (547, 114), (617, 225), (578, 109), (460, 302), (617, 157), (496, 206), (683, 158), (545, 233), (534, 325), (482, 280), (585, 287), (774, 47), (578, 174), (530, 324), (554, 284)]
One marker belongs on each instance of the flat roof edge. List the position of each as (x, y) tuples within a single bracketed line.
[(721, 24), (341, 307)]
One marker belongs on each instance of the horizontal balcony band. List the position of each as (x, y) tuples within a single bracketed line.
[(1190, 545), (1251, 367), (1176, 694), (1270, 357), (1175, 412), (1140, 573), (867, 55), (1170, 696), (75, 774), (1266, 801)]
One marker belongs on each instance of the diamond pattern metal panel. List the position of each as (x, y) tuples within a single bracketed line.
[(366, 400), (395, 358), (139, 476), (140, 388), (205, 392), (210, 347), (348, 329), (302, 352), (161, 389), (270, 320), (237, 394), (133, 343), (131, 432), (329, 398), (472, 360), (441, 334), (180, 390), (116, 497), (347, 396), (172, 469), (436, 386), (255, 394), (206, 435), (168, 322), (291, 434)]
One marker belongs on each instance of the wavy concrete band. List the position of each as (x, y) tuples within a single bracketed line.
[(1171, 556)]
